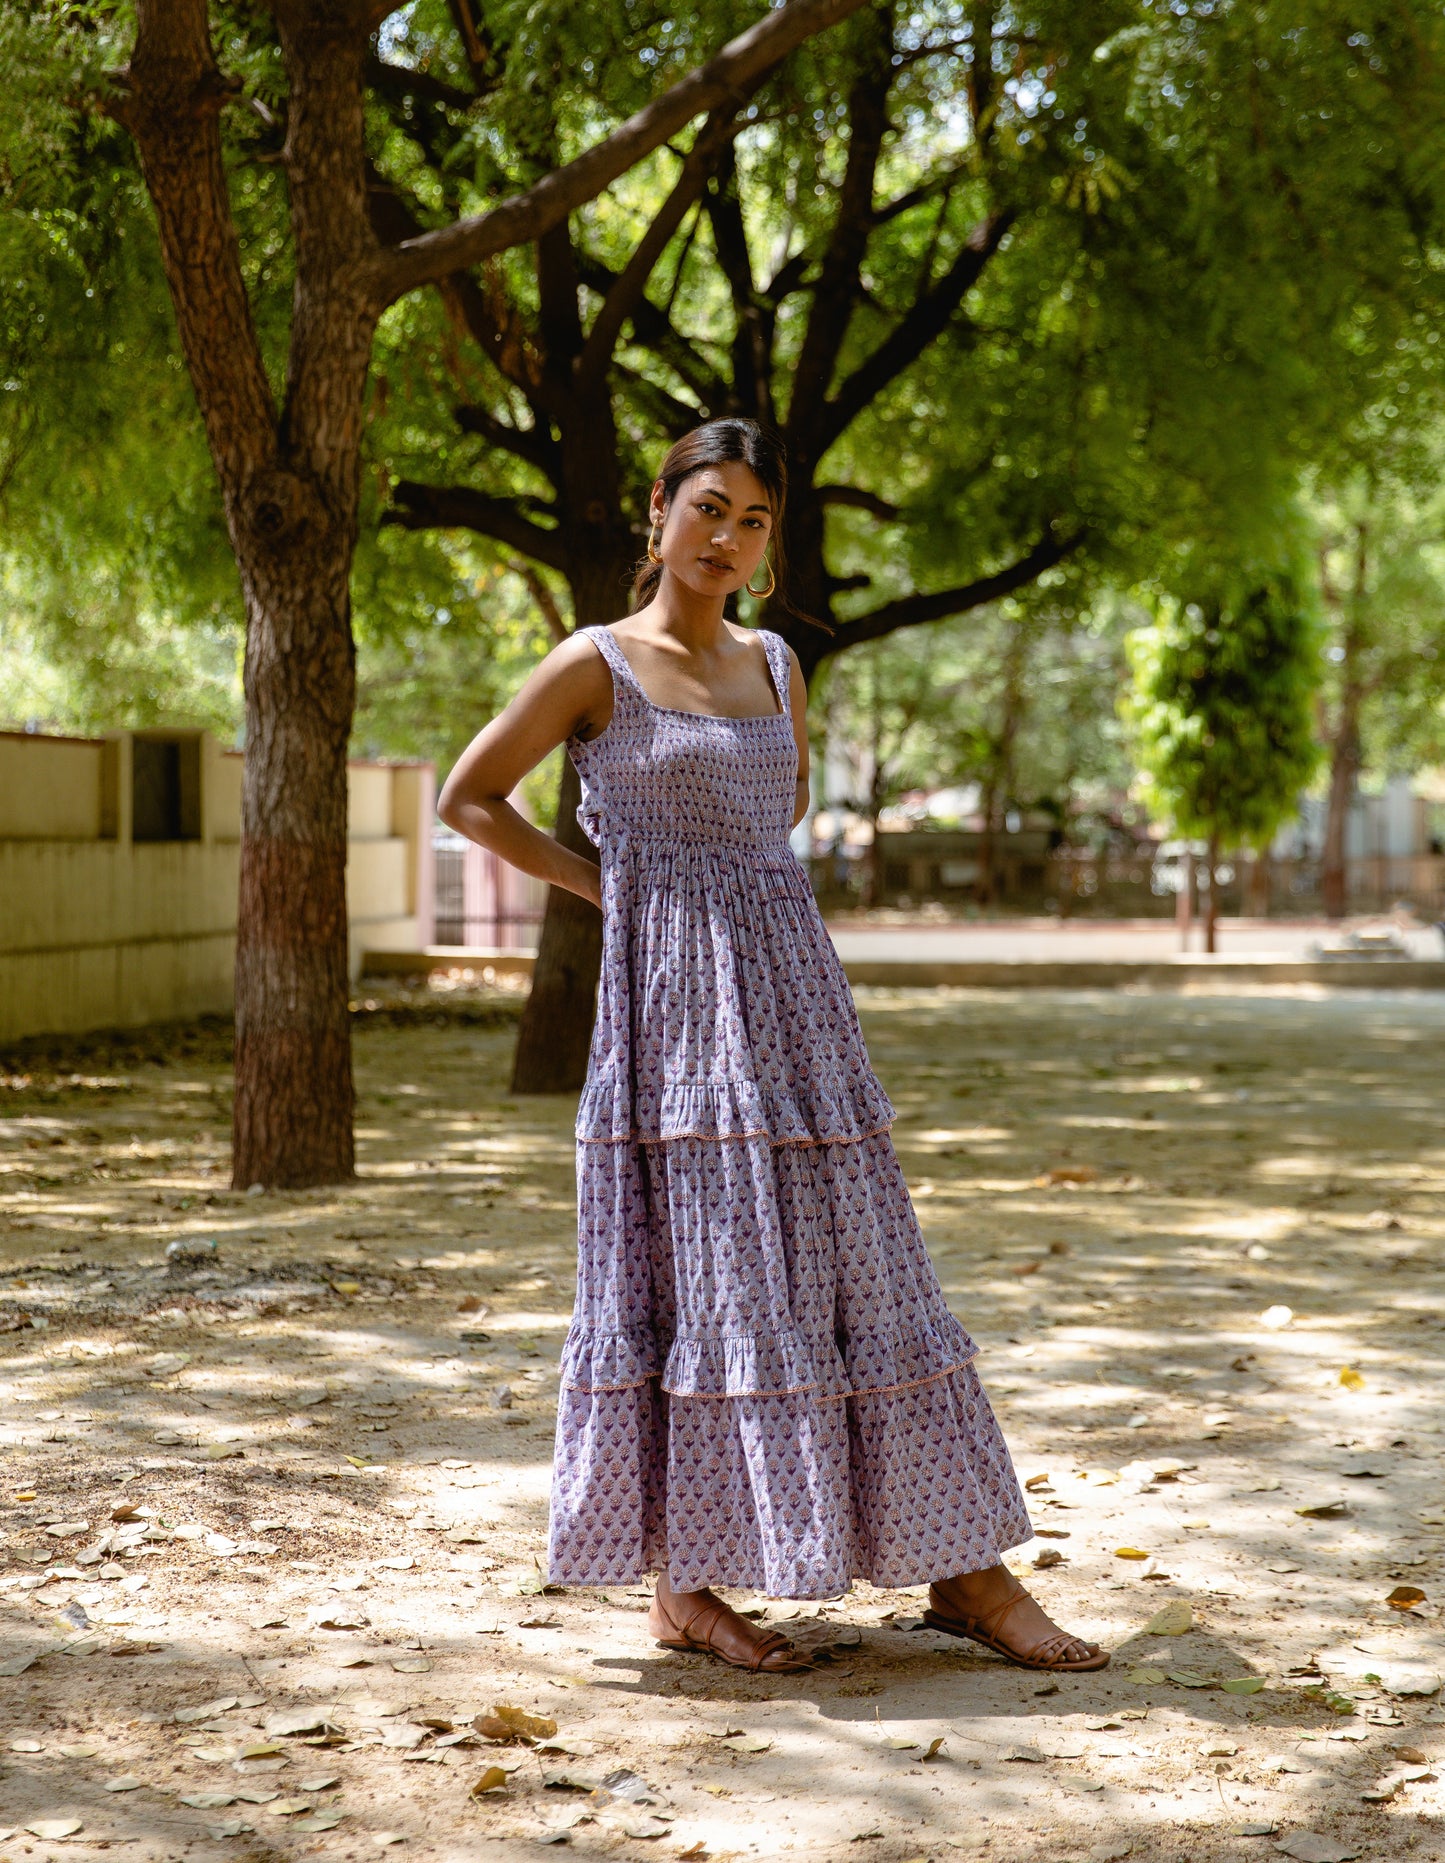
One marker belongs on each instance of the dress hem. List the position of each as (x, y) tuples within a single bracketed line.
[(1013, 1533)]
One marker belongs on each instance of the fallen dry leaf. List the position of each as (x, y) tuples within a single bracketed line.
[(1351, 1379), (492, 1780), (1130, 1552), (1405, 1597), (1172, 1621), (1313, 1847), (519, 1721)]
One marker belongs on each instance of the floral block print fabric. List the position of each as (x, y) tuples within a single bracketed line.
[(763, 1385)]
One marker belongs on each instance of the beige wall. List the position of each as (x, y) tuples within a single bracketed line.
[(100, 930)]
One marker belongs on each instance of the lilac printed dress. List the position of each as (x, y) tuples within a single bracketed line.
[(762, 1385)]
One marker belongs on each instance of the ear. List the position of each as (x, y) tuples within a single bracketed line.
[(657, 505)]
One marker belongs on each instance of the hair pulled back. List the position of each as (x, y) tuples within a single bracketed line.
[(720, 443)]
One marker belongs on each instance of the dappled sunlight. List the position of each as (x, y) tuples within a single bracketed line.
[(292, 1452)]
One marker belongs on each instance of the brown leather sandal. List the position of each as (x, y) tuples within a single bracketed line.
[(1047, 1653), (695, 1634)]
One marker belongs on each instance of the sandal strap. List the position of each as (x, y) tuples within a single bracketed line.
[(992, 1622), (712, 1610), (1049, 1648), (775, 1640), (697, 1631)]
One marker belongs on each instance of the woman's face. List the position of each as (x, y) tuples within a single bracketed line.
[(716, 529)]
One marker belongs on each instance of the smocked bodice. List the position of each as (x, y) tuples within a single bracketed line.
[(687, 776)]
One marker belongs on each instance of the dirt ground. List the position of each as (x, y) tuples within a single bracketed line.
[(274, 1468)]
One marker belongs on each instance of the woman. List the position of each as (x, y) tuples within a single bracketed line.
[(762, 1385)]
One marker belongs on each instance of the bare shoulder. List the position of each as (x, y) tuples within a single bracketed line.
[(570, 691)]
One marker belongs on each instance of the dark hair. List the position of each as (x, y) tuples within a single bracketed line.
[(719, 443)]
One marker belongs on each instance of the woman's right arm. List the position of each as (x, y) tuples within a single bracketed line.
[(571, 691)]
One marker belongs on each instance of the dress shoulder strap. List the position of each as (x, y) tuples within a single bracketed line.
[(626, 687), (779, 663)]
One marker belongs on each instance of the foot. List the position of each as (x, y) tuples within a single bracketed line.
[(999, 1612), (699, 1620)]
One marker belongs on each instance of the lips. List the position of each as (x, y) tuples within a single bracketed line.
[(718, 568)]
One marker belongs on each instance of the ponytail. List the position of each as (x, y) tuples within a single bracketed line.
[(644, 583)]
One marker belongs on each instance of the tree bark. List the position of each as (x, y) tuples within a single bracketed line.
[(1211, 905), (999, 782), (1346, 750), (556, 1031), (289, 481), (1344, 775), (1184, 901)]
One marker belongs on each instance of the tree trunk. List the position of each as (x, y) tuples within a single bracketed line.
[(1344, 774), (555, 1031), (1211, 904), (1001, 771), (294, 1098), (1184, 902), (1259, 883)]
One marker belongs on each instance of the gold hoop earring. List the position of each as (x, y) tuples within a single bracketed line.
[(763, 594), (654, 555)]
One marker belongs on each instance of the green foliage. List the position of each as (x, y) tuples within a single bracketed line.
[(1381, 553), (889, 718), (1222, 708), (1224, 266)]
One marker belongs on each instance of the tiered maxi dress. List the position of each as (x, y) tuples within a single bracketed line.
[(762, 1385)]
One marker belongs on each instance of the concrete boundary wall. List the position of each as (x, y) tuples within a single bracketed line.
[(119, 859)]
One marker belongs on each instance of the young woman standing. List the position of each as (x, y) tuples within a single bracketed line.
[(762, 1385)]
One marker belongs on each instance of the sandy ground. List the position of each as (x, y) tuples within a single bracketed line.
[(274, 1467)]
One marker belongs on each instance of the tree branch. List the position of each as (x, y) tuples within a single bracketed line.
[(400, 81), (476, 43), (836, 291), (628, 289), (526, 216), (458, 507), (673, 415), (545, 600), (533, 444), (913, 610), (860, 500), (926, 320), (941, 183), (652, 329), (170, 98), (753, 340)]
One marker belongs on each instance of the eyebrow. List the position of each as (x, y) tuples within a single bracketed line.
[(716, 491)]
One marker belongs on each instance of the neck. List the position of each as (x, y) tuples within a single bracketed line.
[(694, 621)]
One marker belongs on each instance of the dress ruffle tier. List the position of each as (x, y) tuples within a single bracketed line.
[(762, 1385)]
